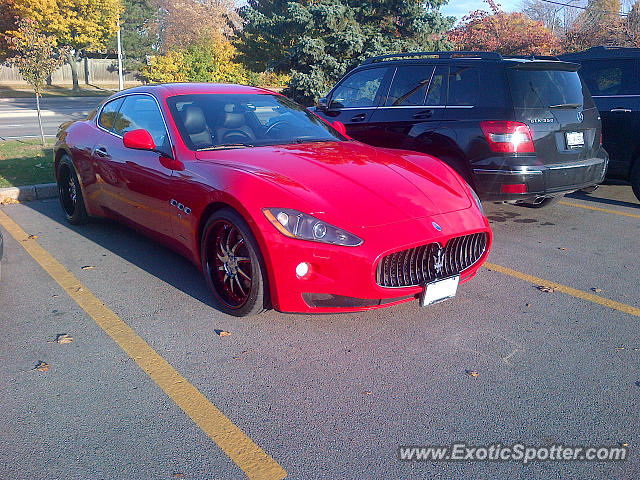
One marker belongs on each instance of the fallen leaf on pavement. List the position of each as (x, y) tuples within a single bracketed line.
[(88, 267), (544, 288), (54, 296), (223, 333), (79, 289), (8, 201), (178, 475), (561, 248), (527, 305), (367, 392), (472, 373), (620, 348), (33, 237), (597, 290), (624, 444), (42, 367), (64, 338)]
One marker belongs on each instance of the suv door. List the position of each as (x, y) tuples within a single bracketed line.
[(614, 87), (412, 109), (354, 99)]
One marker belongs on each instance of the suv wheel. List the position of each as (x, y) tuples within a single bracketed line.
[(635, 179)]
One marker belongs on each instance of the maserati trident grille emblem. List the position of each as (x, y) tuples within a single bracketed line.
[(438, 261), (436, 226)]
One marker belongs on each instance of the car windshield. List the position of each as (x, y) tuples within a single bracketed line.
[(225, 121), (546, 89)]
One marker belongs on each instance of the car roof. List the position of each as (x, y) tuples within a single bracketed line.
[(603, 52), (164, 90)]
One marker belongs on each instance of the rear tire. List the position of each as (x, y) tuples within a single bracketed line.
[(70, 193), (547, 202), (232, 264), (635, 179)]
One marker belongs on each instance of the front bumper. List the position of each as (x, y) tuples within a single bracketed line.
[(343, 279), (539, 180)]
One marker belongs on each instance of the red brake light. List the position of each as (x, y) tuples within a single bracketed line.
[(508, 137)]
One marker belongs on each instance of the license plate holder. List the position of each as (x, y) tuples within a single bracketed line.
[(575, 139), (439, 290)]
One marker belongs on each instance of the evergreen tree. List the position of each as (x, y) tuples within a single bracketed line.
[(320, 41), (137, 39)]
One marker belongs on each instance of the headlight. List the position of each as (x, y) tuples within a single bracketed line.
[(295, 224), (477, 200)]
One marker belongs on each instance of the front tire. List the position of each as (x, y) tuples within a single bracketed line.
[(70, 193), (635, 179), (233, 265)]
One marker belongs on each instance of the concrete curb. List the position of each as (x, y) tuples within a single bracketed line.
[(27, 193)]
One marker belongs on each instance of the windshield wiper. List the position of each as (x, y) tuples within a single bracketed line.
[(225, 147), (311, 140), (566, 105)]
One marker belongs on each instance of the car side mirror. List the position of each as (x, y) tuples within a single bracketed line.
[(139, 139), (339, 126), (322, 105)]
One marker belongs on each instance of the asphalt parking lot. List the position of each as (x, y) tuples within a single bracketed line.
[(318, 397)]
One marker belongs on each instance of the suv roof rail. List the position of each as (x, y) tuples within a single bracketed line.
[(461, 54), (533, 57)]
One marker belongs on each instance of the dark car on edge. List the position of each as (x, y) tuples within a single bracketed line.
[(517, 129), (612, 73)]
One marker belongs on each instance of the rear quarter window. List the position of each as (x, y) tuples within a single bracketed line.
[(464, 86)]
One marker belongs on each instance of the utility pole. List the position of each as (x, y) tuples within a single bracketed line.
[(120, 77)]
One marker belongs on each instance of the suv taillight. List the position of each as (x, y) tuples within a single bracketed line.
[(508, 137)]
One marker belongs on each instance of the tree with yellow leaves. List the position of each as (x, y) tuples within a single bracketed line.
[(81, 25)]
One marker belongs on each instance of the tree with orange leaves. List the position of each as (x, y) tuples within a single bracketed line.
[(506, 33)]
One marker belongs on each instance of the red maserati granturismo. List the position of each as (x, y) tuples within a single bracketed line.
[(277, 207)]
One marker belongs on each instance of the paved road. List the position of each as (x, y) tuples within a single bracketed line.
[(332, 396), (18, 116)]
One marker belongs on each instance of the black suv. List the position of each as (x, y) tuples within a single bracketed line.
[(612, 73), (517, 129)]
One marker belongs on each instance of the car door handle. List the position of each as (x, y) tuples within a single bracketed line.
[(101, 152), (424, 114), (620, 110), (359, 118)]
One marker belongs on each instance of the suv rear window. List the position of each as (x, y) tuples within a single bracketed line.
[(545, 88), (610, 77)]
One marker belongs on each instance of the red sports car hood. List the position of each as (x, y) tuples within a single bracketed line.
[(358, 185)]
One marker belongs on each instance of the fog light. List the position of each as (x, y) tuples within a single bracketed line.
[(302, 269)]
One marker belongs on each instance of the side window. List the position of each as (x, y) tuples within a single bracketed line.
[(359, 90), (141, 111), (409, 85), (437, 94), (609, 77), (108, 115), (463, 86)]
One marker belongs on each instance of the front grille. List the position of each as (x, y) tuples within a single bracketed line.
[(423, 264)]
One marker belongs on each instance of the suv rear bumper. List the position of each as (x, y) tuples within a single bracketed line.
[(539, 180)]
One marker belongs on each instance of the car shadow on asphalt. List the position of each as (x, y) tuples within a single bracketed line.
[(139, 250), (606, 201)]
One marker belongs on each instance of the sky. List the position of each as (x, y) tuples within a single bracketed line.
[(460, 8)]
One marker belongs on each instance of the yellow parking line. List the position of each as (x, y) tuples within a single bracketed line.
[(622, 307), (598, 209), (251, 459)]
